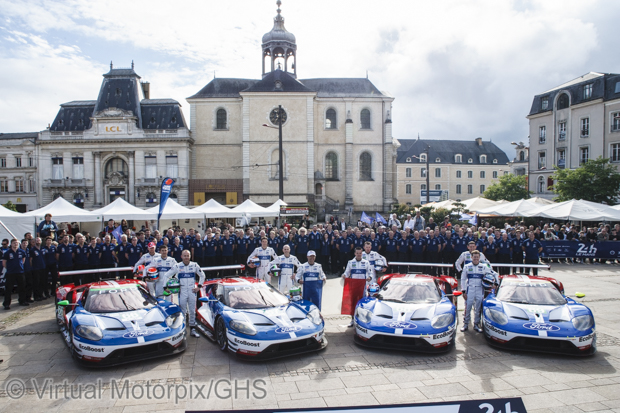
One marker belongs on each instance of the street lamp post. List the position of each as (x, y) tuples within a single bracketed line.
[(280, 163)]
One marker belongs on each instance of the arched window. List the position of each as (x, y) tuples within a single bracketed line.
[(331, 166), (365, 119), (365, 167), (318, 189), (541, 185), (522, 156), (458, 158), (330, 119), (563, 101), (116, 165), (408, 172), (422, 157), (151, 198), (483, 159), (221, 119)]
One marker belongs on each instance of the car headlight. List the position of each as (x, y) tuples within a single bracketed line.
[(243, 327), (363, 315), (496, 316), (442, 320), (583, 322), (315, 316), (174, 320), (89, 332)]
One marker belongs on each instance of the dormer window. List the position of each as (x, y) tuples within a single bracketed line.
[(470, 160), (408, 160), (544, 105), (458, 158), (483, 159), (437, 160), (422, 157), (494, 160)]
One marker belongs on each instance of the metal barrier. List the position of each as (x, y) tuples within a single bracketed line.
[(123, 269), (430, 264)]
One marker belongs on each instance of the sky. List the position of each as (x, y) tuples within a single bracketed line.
[(458, 69)]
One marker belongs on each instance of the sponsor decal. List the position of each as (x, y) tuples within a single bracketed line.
[(442, 335), (286, 330), (586, 338), (400, 324), (246, 343), (495, 329), (89, 348), (138, 333), (362, 329), (178, 336), (541, 326)]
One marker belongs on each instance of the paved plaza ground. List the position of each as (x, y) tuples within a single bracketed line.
[(342, 375)]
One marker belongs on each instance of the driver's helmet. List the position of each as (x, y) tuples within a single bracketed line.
[(255, 261), (488, 280), (173, 286), (152, 274), (295, 293), (373, 289), (140, 270), (379, 265), (275, 269)]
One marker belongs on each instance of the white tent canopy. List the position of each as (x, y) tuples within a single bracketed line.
[(173, 210), (617, 207), (577, 210), (255, 210), (213, 209), (275, 207), (121, 209), (478, 203), (63, 211), (515, 208), (17, 223)]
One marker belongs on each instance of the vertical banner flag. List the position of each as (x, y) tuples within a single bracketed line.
[(380, 219), (366, 219), (118, 231), (352, 292), (166, 188)]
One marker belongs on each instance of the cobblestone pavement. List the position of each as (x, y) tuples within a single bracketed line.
[(344, 374)]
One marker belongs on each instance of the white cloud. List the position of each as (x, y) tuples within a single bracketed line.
[(458, 68)]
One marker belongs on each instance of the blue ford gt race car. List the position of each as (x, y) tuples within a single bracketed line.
[(113, 322), (532, 313), (255, 321), (410, 312)]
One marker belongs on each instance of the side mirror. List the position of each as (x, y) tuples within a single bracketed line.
[(63, 303), (457, 293), (206, 299)]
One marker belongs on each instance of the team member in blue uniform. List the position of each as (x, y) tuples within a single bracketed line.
[(133, 252), (358, 240), (433, 247), (302, 245), (227, 245), (13, 260), (39, 275), (107, 257), (517, 251), (334, 254), (448, 252), (94, 251), (532, 248), (175, 249), (403, 247), (344, 246), (28, 284), (80, 256), (504, 253), (211, 247), (197, 248), (314, 239), (292, 244), (491, 249), (312, 278), (121, 255), (459, 243), (390, 252), (418, 246), (64, 255), (326, 250)]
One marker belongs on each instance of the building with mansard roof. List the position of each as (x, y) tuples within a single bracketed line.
[(338, 150)]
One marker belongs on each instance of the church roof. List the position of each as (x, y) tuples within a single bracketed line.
[(270, 83), (278, 33), (446, 149), (342, 87), (222, 87)]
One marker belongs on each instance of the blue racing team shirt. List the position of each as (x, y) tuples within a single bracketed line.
[(531, 248), (38, 258), (120, 252), (93, 255), (375, 244), (293, 245), (314, 240), (403, 245), (326, 247), (27, 266), (344, 244), (273, 243), (134, 253), (390, 245), (433, 245), (480, 244), (227, 247), (242, 245), (504, 247), (106, 254), (448, 247), (211, 246), (175, 251), (459, 244), (81, 254), (417, 245), (302, 244), (359, 242), (65, 255), (14, 261), (490, 252), (199, 248)]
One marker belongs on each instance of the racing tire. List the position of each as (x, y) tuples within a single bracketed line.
[(220, 334)]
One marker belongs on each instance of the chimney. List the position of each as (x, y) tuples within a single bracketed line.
[(146, 89), (479, 141)]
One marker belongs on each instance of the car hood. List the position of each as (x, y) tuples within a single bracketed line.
[(291, 317), (543, 313), (403, 311)]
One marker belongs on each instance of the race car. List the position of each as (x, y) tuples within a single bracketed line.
[(114, 322), (252, 319), (532, 313), (409, 312)]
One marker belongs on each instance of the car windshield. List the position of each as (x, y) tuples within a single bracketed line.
[(253, 295), (530, 292), (409, 291), (117, 299)]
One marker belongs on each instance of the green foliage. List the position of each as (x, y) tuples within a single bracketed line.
[(597, 181), (510, 187), (439, 214), (11, 206)]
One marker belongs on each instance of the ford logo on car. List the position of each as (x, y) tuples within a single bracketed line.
[(400, 324), (138, 333), (285, 330), (541, 326)]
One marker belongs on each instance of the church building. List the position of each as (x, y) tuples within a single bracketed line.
[(338, 150)]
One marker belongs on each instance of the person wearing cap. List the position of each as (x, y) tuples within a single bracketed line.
[(47, 228), (287, 263), (148, 257), (265, 254), (359, 269), (376, 260), (186, 272), (312, 278), (162, 264)]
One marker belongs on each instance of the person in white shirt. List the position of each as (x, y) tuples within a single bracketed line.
[(163, 264), (408, 223), (375, 259), (265, 254), (358, 268), (312, 278), (287, 264)]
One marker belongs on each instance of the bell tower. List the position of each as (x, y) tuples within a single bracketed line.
[(279, 48)]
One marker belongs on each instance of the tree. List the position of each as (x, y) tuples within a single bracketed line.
[(597, 181), (10, 205), (510, 187)]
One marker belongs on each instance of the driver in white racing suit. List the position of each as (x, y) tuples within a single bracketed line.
[(163, 264), (186, 272), (473, 290), (287, 264), (465, 257), (375, 259), (147, 258), (265, 254)]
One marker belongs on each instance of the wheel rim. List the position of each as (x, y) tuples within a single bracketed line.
[(221, 333)]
